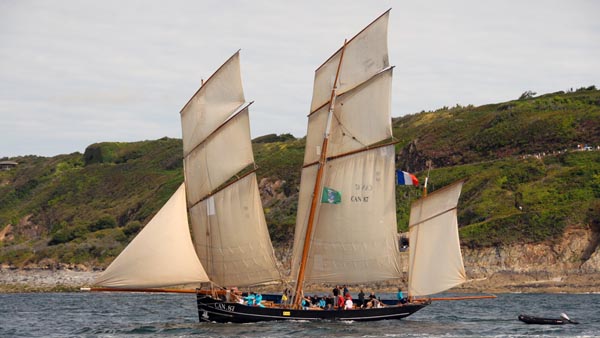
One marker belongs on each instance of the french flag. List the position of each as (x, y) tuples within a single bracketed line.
[(404, 178)]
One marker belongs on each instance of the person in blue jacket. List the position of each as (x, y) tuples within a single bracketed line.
[(400, 296), (258, 300), (250, 299)]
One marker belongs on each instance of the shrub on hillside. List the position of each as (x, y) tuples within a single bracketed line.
[(106, 222), (65, 235)]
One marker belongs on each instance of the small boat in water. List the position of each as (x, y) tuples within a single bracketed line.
[(564, 319)]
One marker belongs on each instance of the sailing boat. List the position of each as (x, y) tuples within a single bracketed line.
[(346, 222), (346, 236), (229, 242)]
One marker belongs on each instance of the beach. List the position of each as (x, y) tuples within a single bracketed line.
[(71, 278)]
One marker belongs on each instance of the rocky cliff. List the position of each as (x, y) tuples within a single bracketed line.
[(570, 263)]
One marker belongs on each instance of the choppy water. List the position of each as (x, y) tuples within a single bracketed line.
[(175, 315)]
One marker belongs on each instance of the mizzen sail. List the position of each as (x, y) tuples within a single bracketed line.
[(435, 261), (161, 255)]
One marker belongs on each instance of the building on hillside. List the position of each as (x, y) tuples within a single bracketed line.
[(7, 165)]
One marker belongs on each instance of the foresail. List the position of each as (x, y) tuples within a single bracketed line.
[(365, 55), (231, 237), (435, 262), (212, 104), (355, 240), (161, 255)]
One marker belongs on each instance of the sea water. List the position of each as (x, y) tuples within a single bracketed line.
[(175, 315)]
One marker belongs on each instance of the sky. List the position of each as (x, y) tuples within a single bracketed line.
[(73, 73)]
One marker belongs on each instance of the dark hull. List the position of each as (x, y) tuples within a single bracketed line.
[(214, 310), (545, 321)]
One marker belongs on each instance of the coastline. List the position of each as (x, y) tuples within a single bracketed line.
[(44, 280), (72, 279)]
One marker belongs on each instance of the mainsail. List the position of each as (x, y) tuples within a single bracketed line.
[(227, 220), (353, 241), (161, 255), (435, 262)]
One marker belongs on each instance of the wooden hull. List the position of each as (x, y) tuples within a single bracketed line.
[(214, 310)]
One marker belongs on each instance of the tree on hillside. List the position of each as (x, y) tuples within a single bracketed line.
[(527, 95)]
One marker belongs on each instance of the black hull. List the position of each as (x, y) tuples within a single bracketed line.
[(545, 321), (214, 310)]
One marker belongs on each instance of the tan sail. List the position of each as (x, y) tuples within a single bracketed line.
[(161, 255), (361, 118), (212, 104), (217, 159), (231, 236), (228, 224), (435, 262), (355, 240), (364, 56)]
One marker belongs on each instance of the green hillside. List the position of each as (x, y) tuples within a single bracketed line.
[(530, 125), (79, 208), (526, 180)]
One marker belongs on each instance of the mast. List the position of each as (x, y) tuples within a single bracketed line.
[(348, 123), (428, 163), (317, 188)]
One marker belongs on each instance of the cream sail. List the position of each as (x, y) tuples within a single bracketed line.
[(364, 56), (354, 241), (227, 220), (346, 236), (435, 261), (161, 255), (229, 242)]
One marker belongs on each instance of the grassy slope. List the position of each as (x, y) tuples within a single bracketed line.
[(461, 135), (85, 208), (490, 145), (86, 212)]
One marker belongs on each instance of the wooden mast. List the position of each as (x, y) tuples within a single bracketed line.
[(316, 191), (428, 163)]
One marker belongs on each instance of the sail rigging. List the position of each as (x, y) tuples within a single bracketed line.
[(229, 242), (346, 221), (228, 225), (352, 241)]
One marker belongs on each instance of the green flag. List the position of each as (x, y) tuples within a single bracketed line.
[(331, 196)]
